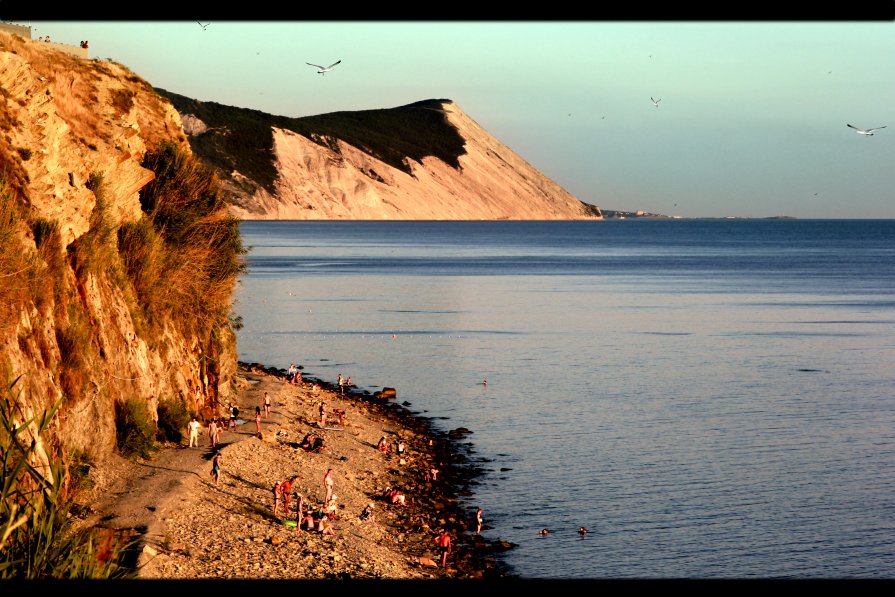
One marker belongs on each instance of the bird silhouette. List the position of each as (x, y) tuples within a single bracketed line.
[(867, 132), (656, 101), (205, 26), (322, 70)]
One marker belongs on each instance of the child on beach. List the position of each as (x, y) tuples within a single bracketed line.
[(216, 468)]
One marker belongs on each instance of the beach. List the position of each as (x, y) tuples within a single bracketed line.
[(194, 529)]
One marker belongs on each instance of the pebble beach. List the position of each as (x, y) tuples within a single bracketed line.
[(201, 530)]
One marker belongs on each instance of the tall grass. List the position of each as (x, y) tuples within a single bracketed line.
[(37, 540), (185, 257)]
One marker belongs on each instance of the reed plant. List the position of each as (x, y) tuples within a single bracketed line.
[(37, 538)]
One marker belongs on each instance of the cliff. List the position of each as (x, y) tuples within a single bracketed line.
[(423, 161), (81, 320)]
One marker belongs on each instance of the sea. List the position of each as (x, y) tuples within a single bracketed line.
[(708, 398)]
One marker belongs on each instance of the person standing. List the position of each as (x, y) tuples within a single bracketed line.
[(322, 415), (478, 521), (328, 485), (198, 395), (258, 420), (194, 426), (213, 432), (234, 413), (266, 404), (286, 488), (277, 496), (216, 468), (443, 541)]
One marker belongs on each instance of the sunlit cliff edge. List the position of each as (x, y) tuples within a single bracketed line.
[(77, 322), (424, 161)]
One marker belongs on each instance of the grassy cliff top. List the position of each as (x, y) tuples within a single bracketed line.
[(242, 139)]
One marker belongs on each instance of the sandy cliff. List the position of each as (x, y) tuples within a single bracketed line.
[(69, 121), (324, 177)]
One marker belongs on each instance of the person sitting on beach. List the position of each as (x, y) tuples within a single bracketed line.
[(341, 413), (393, 496), (296, 379), (332, 508), (307, 521), (290, 373), (367, 513), (324, 526), (307, 443), (383, 445)]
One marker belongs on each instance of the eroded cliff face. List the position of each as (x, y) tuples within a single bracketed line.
[(317, 182), (73, 121)]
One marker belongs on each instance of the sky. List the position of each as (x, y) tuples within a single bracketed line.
[(751, 120)]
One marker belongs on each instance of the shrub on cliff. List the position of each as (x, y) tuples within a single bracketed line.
[(173, 417), (37, 540), (135, 429)]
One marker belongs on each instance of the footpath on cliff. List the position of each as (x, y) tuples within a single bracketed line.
[(186, 527)]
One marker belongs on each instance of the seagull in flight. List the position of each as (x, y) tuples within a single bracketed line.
[(322, 70), (205, 26), (868, 132), (656, 101)]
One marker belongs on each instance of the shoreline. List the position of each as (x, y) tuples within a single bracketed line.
[(191, 528), (439, 507)]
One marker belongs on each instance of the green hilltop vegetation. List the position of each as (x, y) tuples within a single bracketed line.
[(391, 135)]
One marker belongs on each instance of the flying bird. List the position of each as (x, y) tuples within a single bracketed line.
[(656, 101), (868, 132), (322, 70), (205, 26)]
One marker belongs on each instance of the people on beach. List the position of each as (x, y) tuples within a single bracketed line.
[(324, 526), (258, 420), (443, 541), (286, 488), (328, 480), (544, 532), (198, 397), (478, 521), (266, 404), (297, 379), (290, 373), (399, 449), (393, 496), (307, 520), (194, 427), (216, 467), (234, 414), (323, 415), (213, 432), (367, 513), (219, 428), (341, 413), (277, 496), (383, 445), (432, 474)]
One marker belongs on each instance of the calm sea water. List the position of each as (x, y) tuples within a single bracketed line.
[(709, 398)]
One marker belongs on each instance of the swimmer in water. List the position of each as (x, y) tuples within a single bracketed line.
[(582, 531), (544, 532)]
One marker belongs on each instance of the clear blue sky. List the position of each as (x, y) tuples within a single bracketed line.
[(751, 123)]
